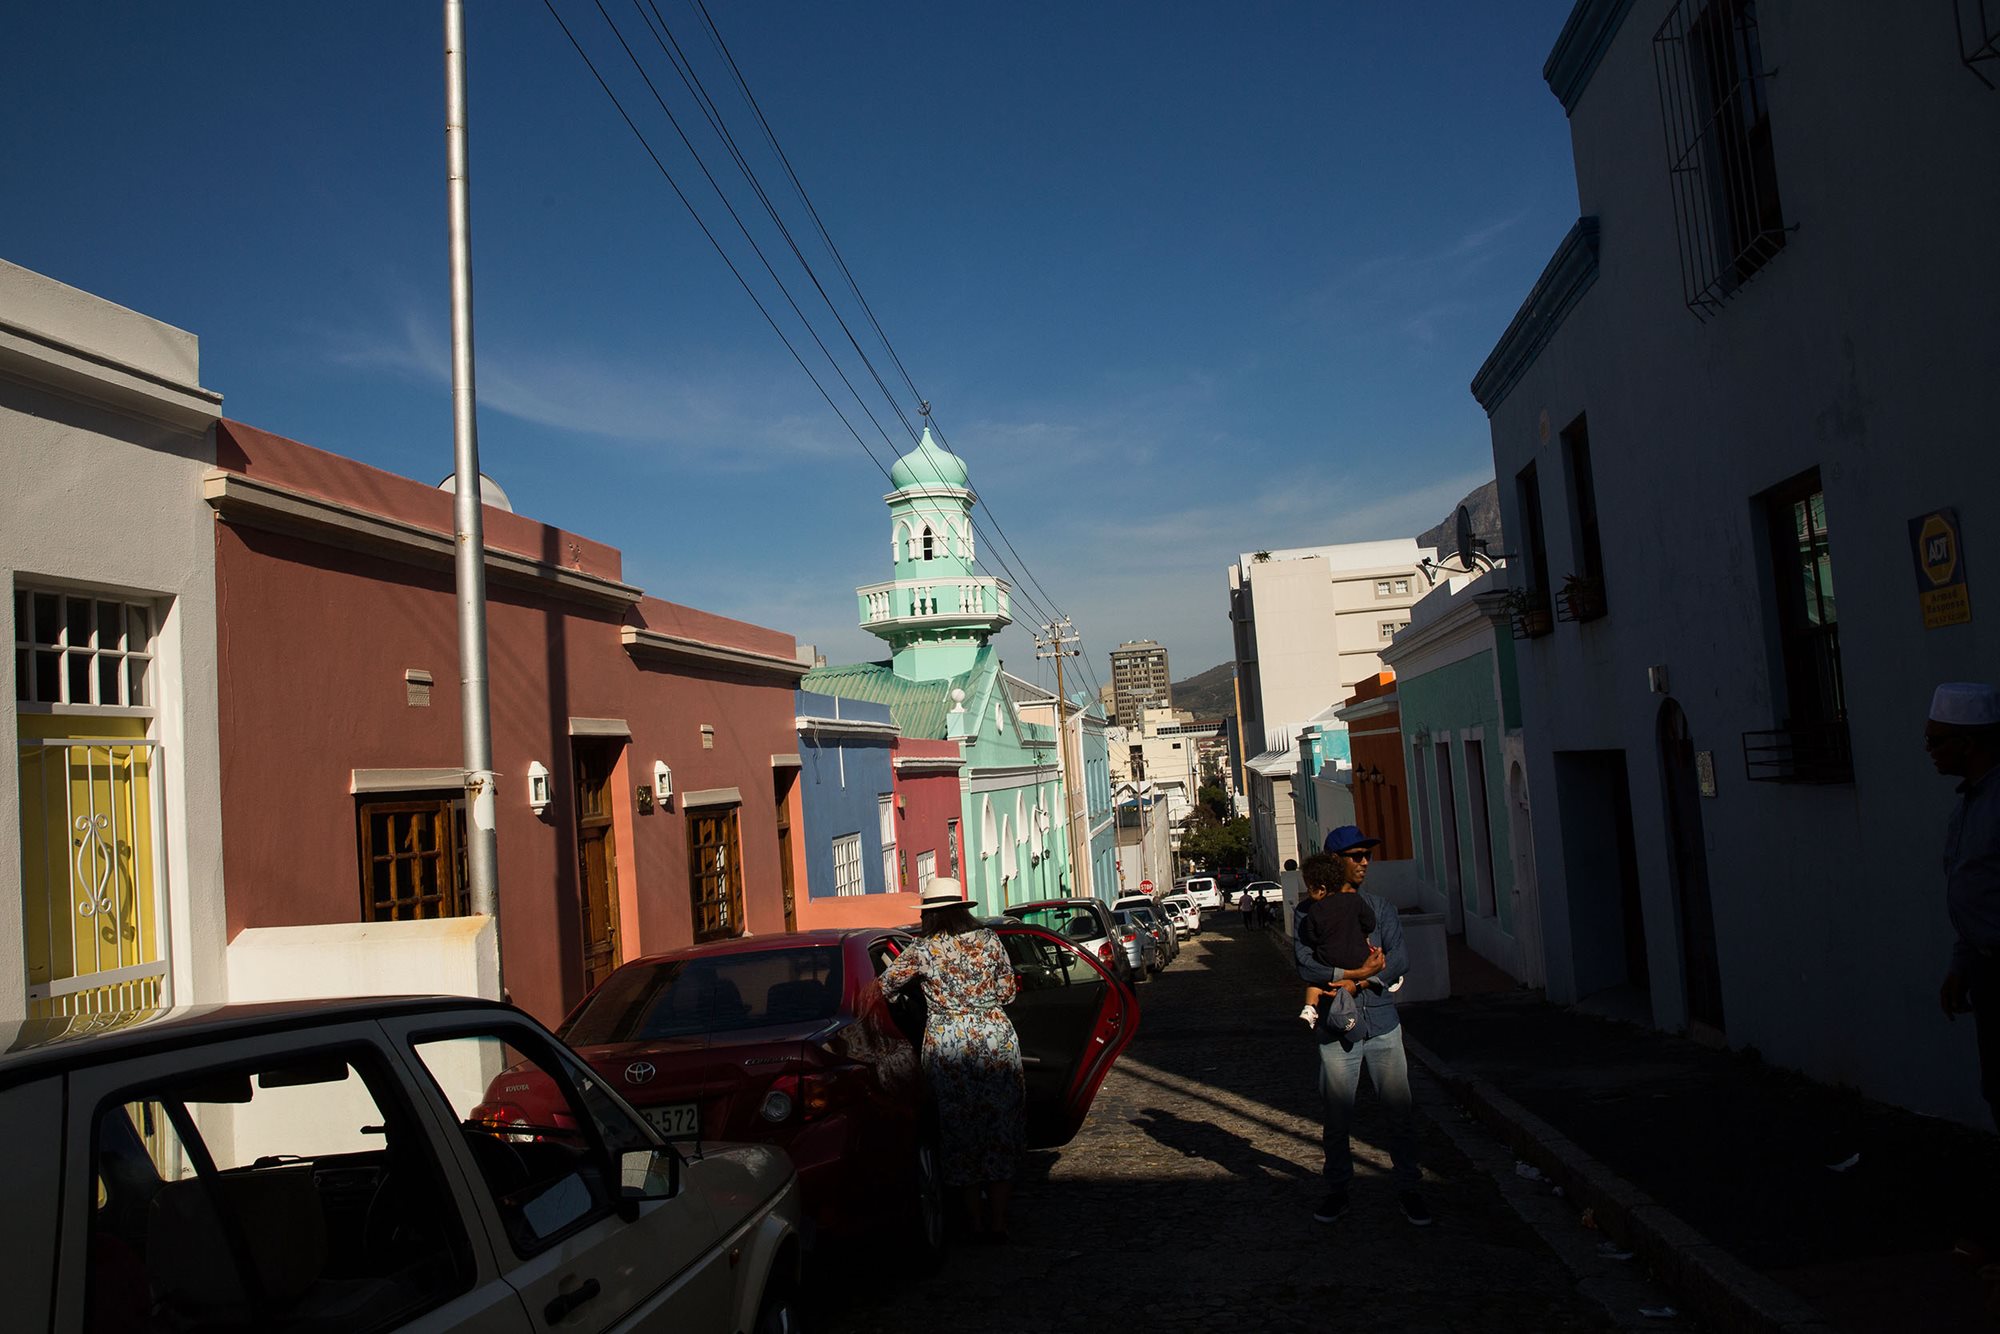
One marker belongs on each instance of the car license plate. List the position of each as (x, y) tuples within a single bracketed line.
[(675, 1121)]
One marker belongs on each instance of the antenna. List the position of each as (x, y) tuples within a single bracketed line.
[(1470, 550), (1468, 545)]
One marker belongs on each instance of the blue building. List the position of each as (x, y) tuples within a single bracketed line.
[(847, 793)]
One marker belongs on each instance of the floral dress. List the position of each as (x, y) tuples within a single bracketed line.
[(972, 1057)]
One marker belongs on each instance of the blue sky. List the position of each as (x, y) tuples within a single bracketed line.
[(1180, 280)]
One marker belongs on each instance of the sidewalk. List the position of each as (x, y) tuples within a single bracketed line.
[(1715, 1168)]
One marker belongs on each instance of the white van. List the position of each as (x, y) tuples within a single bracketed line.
[(1202, 889)]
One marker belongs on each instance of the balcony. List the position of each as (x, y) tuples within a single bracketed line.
[(1807, 753)]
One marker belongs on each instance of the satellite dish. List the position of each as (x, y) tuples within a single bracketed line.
[(1468, 545)]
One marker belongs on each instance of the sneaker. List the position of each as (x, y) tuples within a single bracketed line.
[(1416, 1210), (1332, 1207)]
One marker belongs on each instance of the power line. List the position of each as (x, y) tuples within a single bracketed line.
[(1021, 584)]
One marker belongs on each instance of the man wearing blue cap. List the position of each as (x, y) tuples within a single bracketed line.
[(1376, 1041), (1962, 736)]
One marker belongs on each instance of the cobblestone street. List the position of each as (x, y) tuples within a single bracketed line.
[(1185, 1202)]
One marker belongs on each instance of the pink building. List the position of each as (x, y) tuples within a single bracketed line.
[(645, 750)]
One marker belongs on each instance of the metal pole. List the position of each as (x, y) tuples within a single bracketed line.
[(482, 850)]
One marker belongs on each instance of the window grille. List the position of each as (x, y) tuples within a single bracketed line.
[(1979, 37), (1717, 119), (847, 865), (412, 859), (715, 874), (72, 649)]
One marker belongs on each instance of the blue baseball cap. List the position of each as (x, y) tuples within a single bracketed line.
[(1347, 838)]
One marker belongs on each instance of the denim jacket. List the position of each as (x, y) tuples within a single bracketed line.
[(1377, 1003)]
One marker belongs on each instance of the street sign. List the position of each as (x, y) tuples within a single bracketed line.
[(1939, 550), (1146, 885)]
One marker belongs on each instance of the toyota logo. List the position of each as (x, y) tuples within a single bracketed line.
[(639, 1072)]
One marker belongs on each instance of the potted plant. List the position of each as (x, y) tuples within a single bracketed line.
[(1529, 610), (1583, 597)]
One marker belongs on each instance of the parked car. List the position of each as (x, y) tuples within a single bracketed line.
[(1145, 910), (788, 1040), (1085, 923), (1183, 911), (1269, 891), (340, 1165), (1206, 894), (1140, 942)]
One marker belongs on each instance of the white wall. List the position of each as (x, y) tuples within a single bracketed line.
[(104, 436), (1864, 348)]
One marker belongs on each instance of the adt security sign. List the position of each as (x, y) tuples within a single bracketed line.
[(1940, 555)]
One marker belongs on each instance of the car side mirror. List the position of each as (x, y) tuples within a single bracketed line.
[(648, 1174)]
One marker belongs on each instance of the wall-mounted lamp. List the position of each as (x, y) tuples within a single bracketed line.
[(538, 786), (901, 802), (663, 781)]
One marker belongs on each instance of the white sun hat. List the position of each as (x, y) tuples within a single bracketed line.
[(942, 892)]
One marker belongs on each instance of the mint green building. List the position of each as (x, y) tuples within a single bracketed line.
[(1460, 702), (938, 614)]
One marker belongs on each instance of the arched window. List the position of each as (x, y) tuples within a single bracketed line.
[(929, 552), (897, 542)]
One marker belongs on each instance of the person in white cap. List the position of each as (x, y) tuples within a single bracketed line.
[(1963, 738), (971, 1054)]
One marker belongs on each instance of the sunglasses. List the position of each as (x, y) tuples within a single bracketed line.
[(1358, 854)]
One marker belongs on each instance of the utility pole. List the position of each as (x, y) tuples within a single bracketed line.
[(475, 708), (1056, 645)]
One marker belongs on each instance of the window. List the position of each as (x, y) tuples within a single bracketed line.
[(715, 874), (1388, 629), (929, 543), (1710, 64), (1482, 831), (539, 1138), (1383, 588), (412, 851), (1402, 587), (74, 649), (1528, 492), (926, 869), (234, 1197), (1583, 594), (885, 815), (847, 865), (951, 847), (1812, 743)]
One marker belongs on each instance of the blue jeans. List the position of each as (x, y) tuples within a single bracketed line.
[(1340, 1079)]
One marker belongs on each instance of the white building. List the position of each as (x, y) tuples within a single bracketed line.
[(110, 821), (1309, 622), (1759, 368)]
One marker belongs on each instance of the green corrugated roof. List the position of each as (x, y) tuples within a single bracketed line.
[(919, 707)]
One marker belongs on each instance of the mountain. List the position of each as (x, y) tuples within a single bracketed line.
[(1211, 694), (1484, 506)]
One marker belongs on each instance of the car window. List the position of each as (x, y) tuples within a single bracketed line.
[(1063, 919), (240, 1197), (1043, 965), (536, 1148), (715, 993)]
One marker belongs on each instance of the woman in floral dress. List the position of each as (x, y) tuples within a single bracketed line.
[(971, 1055)]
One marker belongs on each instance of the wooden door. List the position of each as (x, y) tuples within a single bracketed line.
[(783, 786), (596, 858)]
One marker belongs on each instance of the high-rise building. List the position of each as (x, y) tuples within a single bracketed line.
[(1139, 680)]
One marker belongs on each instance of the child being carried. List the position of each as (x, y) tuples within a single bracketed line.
[(1337, 928)]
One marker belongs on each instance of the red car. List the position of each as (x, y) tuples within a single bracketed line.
[(788, 1040)]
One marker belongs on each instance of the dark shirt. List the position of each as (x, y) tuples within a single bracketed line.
[(1378, 1008), (1337, 929), (1972, 870)]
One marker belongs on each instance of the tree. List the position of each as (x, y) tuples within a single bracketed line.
[(1216, 844)]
